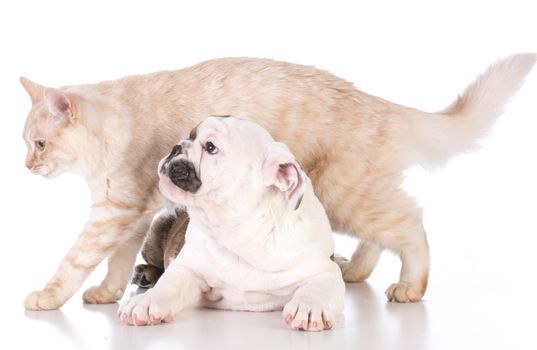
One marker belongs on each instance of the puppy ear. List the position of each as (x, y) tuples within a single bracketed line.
[(34, 90), (282, 170), (59, 105)]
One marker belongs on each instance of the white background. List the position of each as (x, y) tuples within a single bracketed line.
[(479, 210)]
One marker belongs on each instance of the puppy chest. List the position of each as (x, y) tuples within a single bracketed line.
[(240, 287), (249, 278), (239, 277)]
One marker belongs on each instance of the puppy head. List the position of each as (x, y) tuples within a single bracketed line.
[(231, 162)]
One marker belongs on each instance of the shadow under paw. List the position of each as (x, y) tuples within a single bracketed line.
[(145, 276)]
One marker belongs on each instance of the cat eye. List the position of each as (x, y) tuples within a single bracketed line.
[(40, 144), (210, 148)]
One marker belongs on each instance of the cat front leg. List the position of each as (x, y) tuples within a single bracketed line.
[(110, 226), (120, 265)]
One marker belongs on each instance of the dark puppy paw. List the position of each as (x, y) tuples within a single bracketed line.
[(145, 276)]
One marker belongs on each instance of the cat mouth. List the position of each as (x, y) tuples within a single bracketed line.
[(43, 170)]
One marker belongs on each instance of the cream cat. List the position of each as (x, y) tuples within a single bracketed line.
[(353, 146)]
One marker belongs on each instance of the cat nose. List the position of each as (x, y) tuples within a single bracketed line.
[(29, 161)]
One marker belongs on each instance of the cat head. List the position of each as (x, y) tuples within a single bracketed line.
[(50, 131)]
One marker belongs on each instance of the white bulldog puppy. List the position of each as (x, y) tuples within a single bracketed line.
[(258, 237)]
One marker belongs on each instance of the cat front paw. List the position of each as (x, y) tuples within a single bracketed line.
[(43, 300), (145, 309), (101, 295), (403, 293)]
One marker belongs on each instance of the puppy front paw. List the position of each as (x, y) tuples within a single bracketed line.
[(145, 309), (307, 315), (43, 300)]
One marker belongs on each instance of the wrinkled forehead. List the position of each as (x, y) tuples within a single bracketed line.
[(232, 128), (212, 125)]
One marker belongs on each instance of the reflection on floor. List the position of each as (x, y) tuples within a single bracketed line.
[(369, 322)]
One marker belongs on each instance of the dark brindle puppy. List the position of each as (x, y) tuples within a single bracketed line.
[(165, 239)]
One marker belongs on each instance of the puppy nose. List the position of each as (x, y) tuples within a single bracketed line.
[(178, 171)]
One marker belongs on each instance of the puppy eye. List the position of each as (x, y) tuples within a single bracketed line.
[(40, 144), (211, 148)]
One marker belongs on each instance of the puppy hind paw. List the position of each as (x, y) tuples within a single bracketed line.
[(146, 276)]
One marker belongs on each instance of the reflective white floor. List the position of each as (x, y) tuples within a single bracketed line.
[(471, 304)]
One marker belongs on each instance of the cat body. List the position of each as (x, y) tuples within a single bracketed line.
[(352, 145)]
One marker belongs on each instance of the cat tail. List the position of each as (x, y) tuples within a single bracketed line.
[(435, 137)]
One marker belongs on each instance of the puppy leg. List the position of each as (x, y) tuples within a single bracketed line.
[(315, 304), (176, 238), (155, 242), (163, 243), (146, 275), (176, 289), (362, 263)]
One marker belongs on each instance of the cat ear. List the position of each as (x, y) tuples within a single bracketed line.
[(35, 90), (59, 105), (282, 170)]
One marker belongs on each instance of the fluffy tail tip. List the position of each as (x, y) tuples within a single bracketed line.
[(439, 136), (522, 63)]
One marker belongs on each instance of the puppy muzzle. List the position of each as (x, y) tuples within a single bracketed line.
[(183, 175)]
